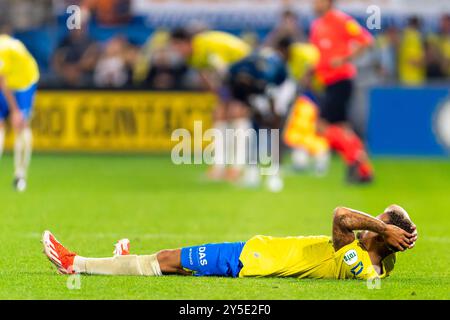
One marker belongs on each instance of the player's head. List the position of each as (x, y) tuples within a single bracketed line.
[(322, 6), (394, 215), (289, 18), (5, 28), (283, 45), (181, 39), (414, 22), (444, 24)]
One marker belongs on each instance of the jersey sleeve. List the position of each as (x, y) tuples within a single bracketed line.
[(353, 262), (356, 32), (217, 63), (199, 58)]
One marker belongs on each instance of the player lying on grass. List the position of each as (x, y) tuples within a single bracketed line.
[(368, 255)]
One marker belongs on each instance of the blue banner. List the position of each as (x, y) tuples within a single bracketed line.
[(409, 121)]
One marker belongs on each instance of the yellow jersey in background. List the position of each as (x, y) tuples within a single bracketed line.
[(17, 65)]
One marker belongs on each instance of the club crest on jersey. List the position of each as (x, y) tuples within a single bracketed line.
[(357, 269), (350, 257)]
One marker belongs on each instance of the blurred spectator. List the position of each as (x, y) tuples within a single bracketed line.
[(288, 27), (403, 55), (75, 58), (156, 42), (157, 65), (166, 71), (25, 14), (369, 65), (114, 66), (196, 26), (389, 44), (433, 59), (109, 12), (411, 63), (444, 43)]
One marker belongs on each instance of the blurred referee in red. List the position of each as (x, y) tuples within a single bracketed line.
[(340, 39)]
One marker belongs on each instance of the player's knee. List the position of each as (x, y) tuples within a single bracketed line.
[(19, 127), (167, 256)]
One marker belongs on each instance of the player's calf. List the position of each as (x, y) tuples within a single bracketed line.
[(123, 263)]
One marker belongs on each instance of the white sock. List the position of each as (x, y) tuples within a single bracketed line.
[(322, 163), (219, 148), (275, 183), (2, 140), (133, 265), (300, 159), (243, 141), (252, 176), (22, 152)]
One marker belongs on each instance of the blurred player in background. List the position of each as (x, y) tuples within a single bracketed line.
[(287, 27), (301, 130), (211, 53), (19, 75), (368, 255), (297, 98), (340, 39), (258, 82)]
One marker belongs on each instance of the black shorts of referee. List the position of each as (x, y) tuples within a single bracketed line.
[(336, 102)]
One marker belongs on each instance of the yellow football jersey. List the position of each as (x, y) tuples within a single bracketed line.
[(217, 50), (307, 257), (17, 65), (303, 57)]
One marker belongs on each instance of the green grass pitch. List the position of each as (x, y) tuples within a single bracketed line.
[(89, 202)]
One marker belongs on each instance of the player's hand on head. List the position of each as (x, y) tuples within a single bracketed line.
[(415, 236), (398, 238)]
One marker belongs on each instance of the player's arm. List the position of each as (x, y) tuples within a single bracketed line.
[(210, 80), (11, 101), (361, 40), (346, 220)]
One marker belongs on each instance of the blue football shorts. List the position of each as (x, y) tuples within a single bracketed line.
[(25, 100), (217, 259)]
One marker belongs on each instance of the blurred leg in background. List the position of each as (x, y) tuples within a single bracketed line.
[(239, 116), (217, 170), (340, 135), (23, 137)]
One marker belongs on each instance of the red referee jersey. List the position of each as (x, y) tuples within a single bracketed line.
[(334, 33)]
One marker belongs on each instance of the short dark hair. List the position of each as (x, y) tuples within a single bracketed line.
[(283, 43), (399, 219), (5, 28), (181, 34), (288, 13), (415, 22)]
